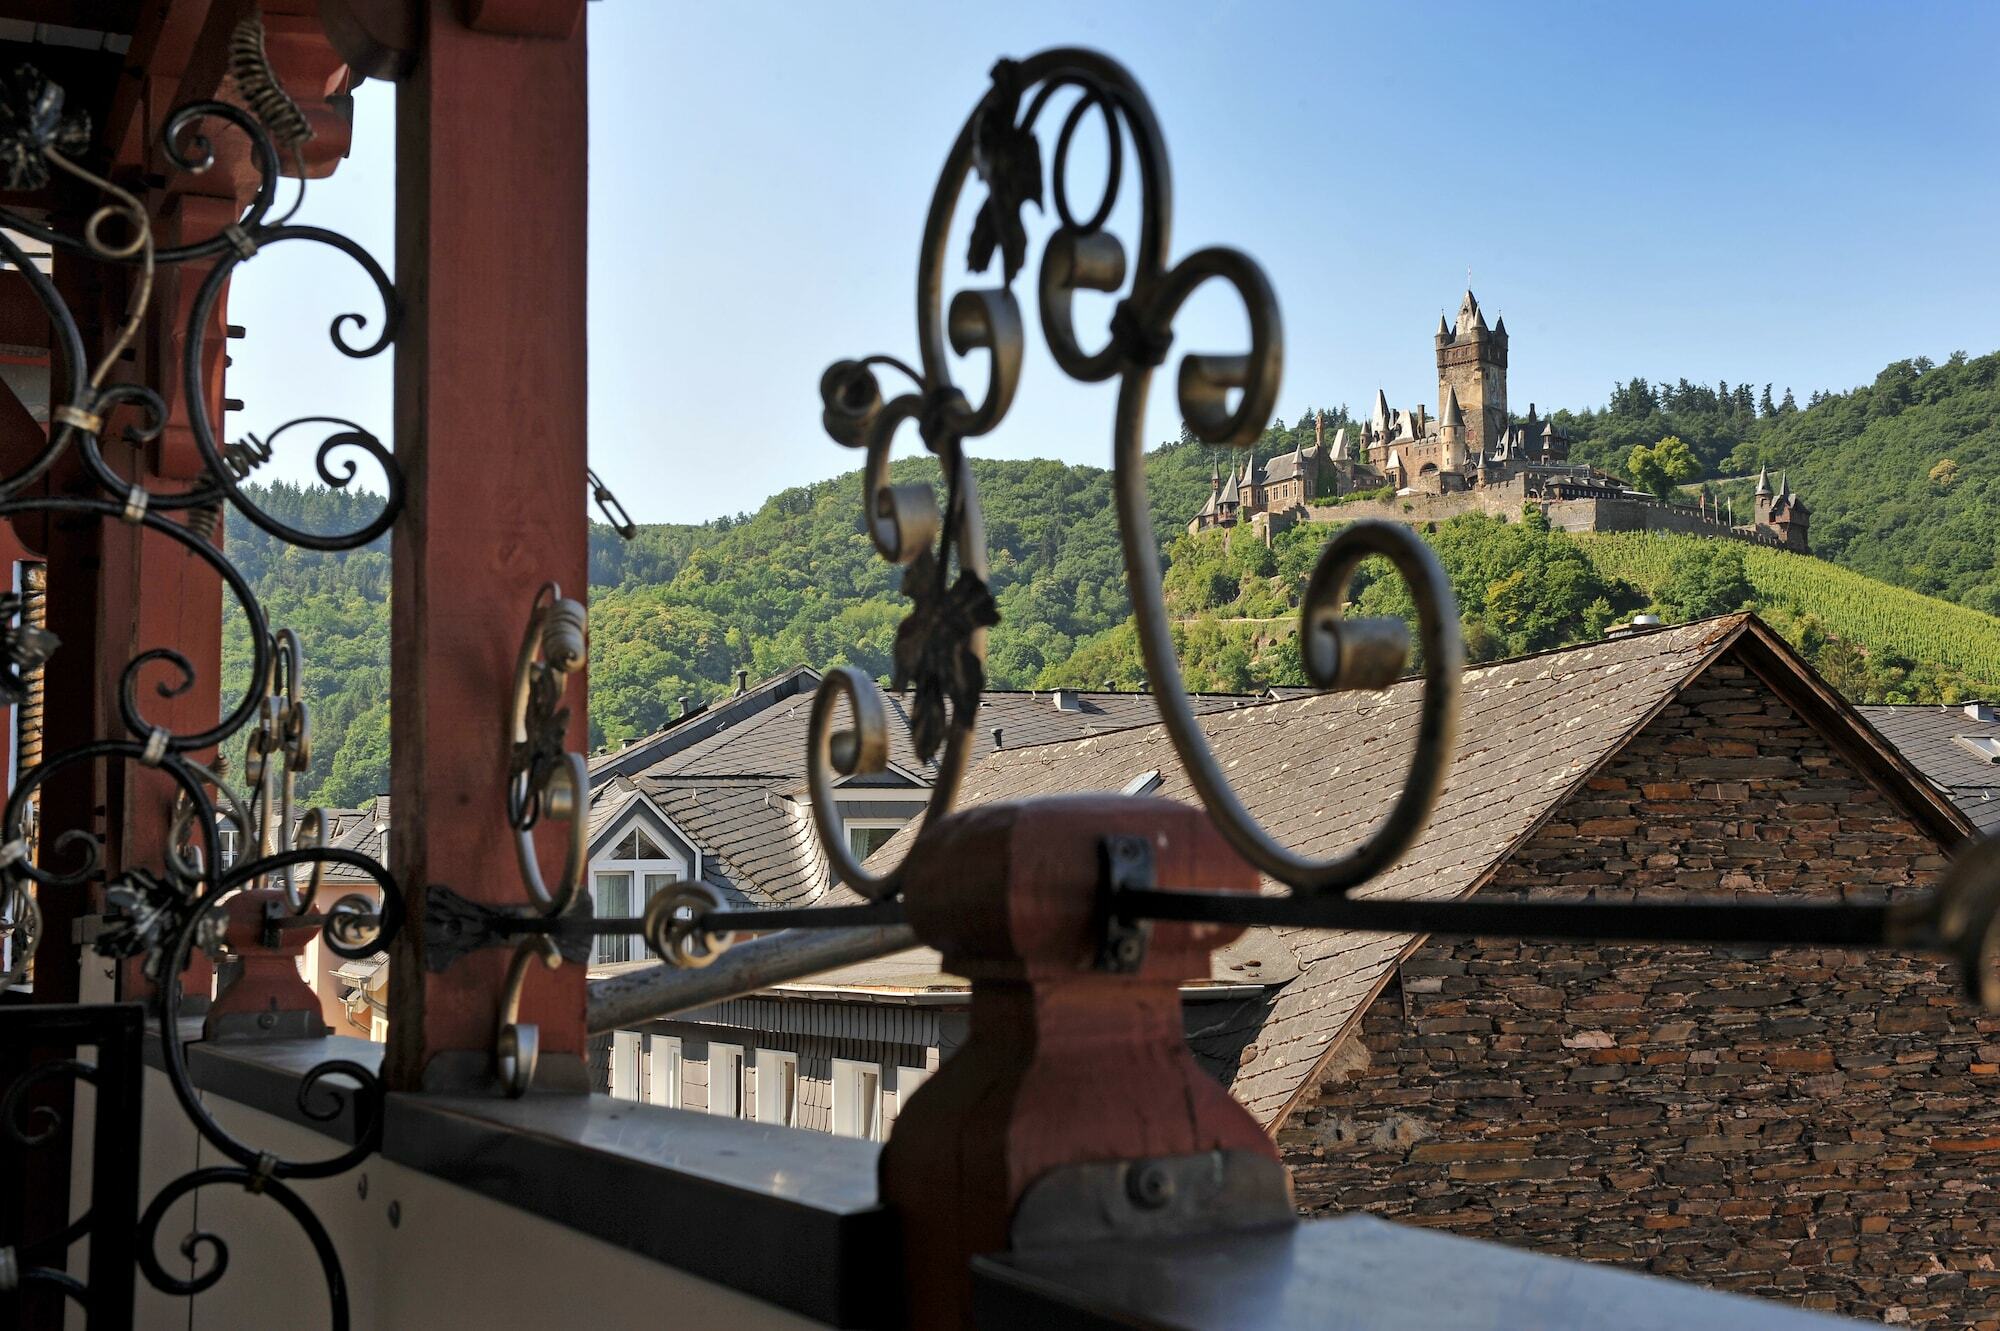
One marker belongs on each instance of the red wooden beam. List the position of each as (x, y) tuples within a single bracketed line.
[(490, 234)]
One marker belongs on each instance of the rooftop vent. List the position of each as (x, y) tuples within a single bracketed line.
[(1111, 686), (687, 709), (1984, 747), (1068, 700), (997, 734), (742, 682), (1979, 711), (1637, 622), (1143, 784)]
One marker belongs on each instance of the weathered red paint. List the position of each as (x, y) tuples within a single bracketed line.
[(1065, 1063), (490, 236)]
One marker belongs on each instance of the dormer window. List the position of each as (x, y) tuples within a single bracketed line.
[(625, 875)]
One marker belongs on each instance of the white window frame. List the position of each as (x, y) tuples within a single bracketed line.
[(771, 1067), (612, 948), (663, 1070), (857, 1099), (728, 1056), (907, 1081), (625, 1065), (849, 826)]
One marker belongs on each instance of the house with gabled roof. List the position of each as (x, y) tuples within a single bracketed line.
[(1627, 1103)]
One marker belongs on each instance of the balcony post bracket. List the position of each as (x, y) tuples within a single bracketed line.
[(1075, 1080)]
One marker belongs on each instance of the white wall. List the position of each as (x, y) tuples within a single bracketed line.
[(457, 1258)]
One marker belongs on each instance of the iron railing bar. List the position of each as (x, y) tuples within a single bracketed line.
[(1698, 920), (618, 1001)]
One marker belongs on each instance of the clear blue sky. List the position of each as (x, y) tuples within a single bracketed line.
[(1795, 193)]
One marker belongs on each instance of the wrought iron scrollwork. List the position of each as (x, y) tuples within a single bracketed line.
[(941, 648), (163, 913), (1225, 399)]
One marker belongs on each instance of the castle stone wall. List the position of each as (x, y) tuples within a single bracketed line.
[(1505, 501), (1805, 1123)]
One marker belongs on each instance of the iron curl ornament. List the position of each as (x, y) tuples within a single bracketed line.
[(941, 647), (162, 913)]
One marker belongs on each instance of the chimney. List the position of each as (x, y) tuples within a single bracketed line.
[(742, 682), (997, 733), (1068, 700), (1979, 711)]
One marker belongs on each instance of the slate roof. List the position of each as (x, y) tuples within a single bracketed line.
[(1320, 771), (367, 832), (741, 792), (1928, 735)]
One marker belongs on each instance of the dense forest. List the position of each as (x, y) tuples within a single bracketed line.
[(1903, 477)]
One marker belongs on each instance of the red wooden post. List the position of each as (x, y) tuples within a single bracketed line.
[(269, 999), (1066, 1063), (490, 233)]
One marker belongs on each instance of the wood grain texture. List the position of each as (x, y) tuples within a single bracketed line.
[(1065, 1063), (490, 415)]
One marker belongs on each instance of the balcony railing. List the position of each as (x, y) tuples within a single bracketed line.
[(1070, 1166)]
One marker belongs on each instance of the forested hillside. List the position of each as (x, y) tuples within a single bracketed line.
[(1524, 588), (1903, 478)]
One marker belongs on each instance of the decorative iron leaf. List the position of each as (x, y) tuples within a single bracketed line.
[(934, 651), (31, 120), (1009, 159)]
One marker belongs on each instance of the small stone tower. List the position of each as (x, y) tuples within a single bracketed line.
[(1451, 434), (1472, 363)]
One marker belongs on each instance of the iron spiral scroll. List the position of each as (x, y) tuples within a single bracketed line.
[(163, 913), (941, 645), (946, 630)]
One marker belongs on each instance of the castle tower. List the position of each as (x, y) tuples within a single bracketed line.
[(1763, 498), (1472, 362), (1451, 434)]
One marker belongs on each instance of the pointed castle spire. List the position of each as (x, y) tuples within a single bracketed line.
[(1454, 417), (1763, 481)]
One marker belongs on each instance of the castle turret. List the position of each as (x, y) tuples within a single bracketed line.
[(1451, 434), (1472, 362), (1762, 499), (1339, 453)]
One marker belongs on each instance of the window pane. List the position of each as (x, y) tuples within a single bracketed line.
[(656, 882), (614, 898), (645, 848), (865, 841)]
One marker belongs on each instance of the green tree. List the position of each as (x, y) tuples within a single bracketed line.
[(1707, 578), (1662, 466)]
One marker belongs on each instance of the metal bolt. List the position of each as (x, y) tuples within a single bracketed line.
[(1127, 949), (361, 1187), (395, 1214), (1149, 1185), (267, 1020)]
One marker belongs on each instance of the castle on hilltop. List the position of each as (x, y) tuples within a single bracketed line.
[(1473, 456)]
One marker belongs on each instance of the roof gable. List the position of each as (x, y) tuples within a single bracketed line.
[(1321, 771)]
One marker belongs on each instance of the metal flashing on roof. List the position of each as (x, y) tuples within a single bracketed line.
[(1985, 747)]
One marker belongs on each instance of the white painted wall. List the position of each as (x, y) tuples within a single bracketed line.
[(457, 1258)]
